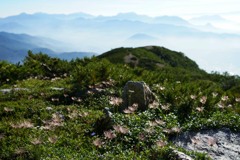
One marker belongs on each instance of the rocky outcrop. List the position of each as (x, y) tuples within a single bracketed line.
[(218, 144), (137, 93), (131, 59), (181, 156)]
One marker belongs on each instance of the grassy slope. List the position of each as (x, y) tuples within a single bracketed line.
[(150, 56), (44, 122)]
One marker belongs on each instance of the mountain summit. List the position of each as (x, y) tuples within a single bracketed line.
[(150, 57)]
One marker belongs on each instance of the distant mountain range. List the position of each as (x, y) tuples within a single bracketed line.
[(208, 19), (99, 33), (14, 47), (200, 38)]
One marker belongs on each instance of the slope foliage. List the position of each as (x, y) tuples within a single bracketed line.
[(54, 109), (149, 57)]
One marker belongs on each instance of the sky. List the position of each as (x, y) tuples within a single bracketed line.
[(184, 8)]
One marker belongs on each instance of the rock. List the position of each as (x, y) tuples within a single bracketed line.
[(218, 144), (57, 89), (181, 155), (5, 91), (139, 93), (131, 59)]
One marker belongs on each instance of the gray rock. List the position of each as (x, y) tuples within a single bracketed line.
[(57, 89), (181, 155), (139, 93), (218, 144), (5, 91)]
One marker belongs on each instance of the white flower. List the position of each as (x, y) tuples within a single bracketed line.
[(193, 97), (200, 109), (214, 94), (237, 99), (98, 142), (166, 107), (162, 88), (115, 101), (203, 100), (121, 129), (109, 134), (154, 105), (161, 143), (225, 98), (220, 105)]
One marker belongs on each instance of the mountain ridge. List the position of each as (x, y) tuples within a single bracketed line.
[(150, 57), (14, 47)]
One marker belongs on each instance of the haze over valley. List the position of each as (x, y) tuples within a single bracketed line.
[(212, 40)]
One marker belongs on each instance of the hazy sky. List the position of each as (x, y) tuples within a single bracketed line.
[(205, 56), (111, 7)]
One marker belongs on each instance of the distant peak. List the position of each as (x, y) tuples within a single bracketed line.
[(141, 36)]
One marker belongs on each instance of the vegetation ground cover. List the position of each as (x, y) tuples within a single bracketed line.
[(54, 108)]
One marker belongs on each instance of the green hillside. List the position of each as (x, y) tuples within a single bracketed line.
[(150, 57), (56, 109)]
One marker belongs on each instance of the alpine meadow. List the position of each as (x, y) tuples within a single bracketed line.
[(133, 80)]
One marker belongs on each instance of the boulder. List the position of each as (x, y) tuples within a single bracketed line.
[(137, 93)]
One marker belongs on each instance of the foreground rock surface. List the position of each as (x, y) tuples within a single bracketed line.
[(218, 144), (139, 93), (181, 155)]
